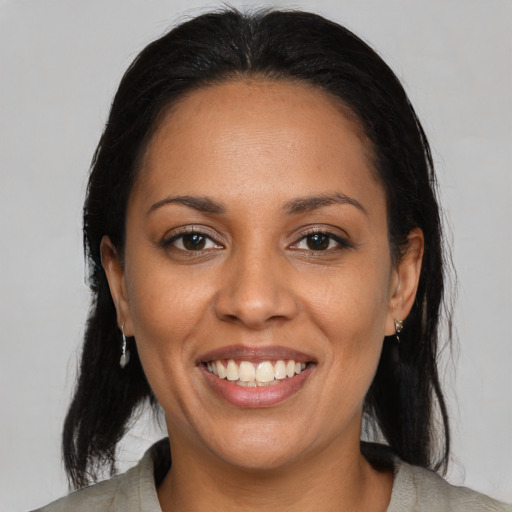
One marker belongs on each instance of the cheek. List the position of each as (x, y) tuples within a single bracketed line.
[(166, 309), (353, 303), (163, 301), (351, 311), (166, 313)]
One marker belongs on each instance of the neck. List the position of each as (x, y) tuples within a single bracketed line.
[(339, 478)]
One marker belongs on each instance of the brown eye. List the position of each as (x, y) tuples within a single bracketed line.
[(194, 242), (318, 241), (191, 241), (321, 242)]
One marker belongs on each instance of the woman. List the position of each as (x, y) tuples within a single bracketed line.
[(266, 265)]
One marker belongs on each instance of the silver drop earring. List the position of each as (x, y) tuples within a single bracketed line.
[(125, 353), (399, 325)]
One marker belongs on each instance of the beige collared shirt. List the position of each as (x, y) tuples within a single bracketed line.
[(414, 490)]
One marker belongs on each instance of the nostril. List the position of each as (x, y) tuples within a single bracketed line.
[(254, 294)]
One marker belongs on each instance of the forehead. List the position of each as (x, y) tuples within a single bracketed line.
[(249, 135)]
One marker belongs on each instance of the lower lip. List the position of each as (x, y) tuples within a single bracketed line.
[(257, 397)]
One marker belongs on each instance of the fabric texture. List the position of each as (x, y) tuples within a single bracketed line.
[(414, 489)]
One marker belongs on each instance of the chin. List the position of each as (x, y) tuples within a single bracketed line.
[(259, 450)]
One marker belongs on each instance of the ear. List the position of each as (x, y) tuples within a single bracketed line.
[(404, 280), (116, 281)]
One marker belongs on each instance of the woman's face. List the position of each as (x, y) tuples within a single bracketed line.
[(257, 278)]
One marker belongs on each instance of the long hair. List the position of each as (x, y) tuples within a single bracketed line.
[(405, 395)]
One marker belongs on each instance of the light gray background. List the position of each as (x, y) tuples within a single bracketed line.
[(60, 63)]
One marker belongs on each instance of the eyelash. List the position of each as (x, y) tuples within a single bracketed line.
[(170, 242), (342, 243)]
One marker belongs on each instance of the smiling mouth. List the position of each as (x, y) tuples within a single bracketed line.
[(255, 374)]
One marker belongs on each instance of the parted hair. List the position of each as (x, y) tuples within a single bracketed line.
[(405, 402)]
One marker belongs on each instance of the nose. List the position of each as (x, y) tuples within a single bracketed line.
[(255, 291)]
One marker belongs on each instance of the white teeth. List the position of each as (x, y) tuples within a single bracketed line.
[(246, 372), (280, 370), (221, 371), (232, 370), (290, 369), (264, 372), (249, 374)]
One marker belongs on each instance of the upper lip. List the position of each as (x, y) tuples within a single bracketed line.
[(256, 354)]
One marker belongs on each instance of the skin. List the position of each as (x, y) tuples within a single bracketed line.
[(254, 147)]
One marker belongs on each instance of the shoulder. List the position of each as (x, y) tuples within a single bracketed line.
[(96, 497), (423, 490), (417, 489), (132, 491)]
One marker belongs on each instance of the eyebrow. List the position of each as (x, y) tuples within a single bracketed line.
[(201, 204), (311, 203), (296, 206)]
